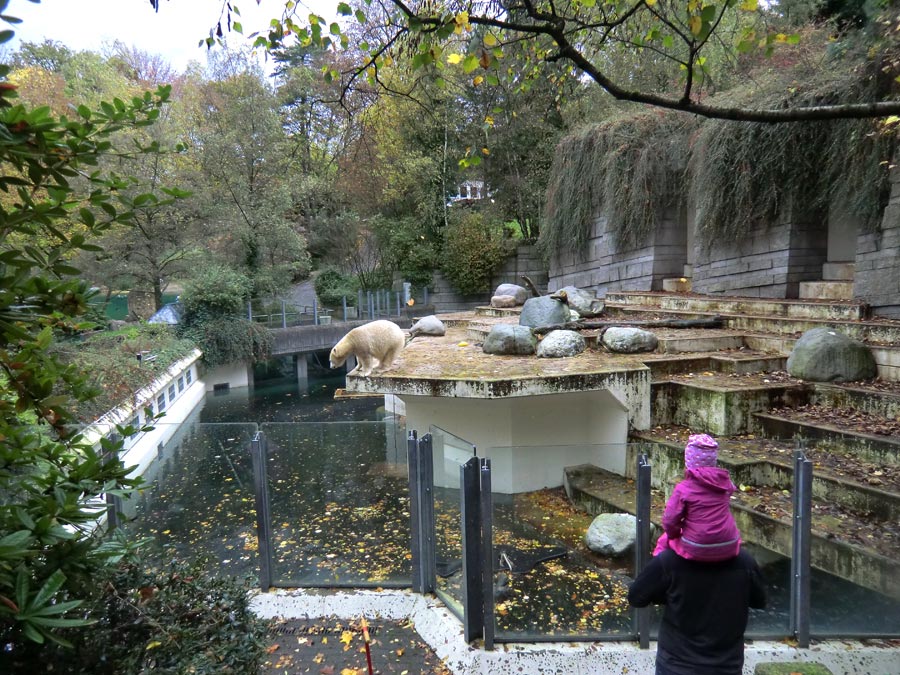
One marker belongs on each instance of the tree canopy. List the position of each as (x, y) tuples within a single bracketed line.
[(685, 42)]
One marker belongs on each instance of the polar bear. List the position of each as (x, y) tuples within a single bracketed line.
[(375, 346)]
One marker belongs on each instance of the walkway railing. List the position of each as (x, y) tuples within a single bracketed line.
[(368, 305)]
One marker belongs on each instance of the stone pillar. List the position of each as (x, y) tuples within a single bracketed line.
[(301, 367), (877, 277)]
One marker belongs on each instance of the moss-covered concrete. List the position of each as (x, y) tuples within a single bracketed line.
[(795, 668)]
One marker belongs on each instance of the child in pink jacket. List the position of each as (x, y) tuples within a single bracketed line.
[(697, 521)]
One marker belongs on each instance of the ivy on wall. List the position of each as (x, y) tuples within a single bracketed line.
[(629, 169), (632, 169)]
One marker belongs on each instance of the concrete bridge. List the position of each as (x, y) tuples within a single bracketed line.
[(307, 339), (300, 341)]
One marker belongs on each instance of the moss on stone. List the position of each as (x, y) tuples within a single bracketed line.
[(791, 669)]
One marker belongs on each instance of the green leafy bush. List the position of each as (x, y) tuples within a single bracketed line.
[(227, 339), (474, 249), (332, 285), (172, 622), (50, 478), (216, 291)]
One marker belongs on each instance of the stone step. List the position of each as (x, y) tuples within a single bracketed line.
[(719, 408), (498, 311), (599, 491), (709, 304), (884, 404), (735, 361), (826, 290), (869, 447), (875, 332)]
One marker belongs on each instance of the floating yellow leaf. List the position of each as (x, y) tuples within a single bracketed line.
[(478, 80), (346, 638), (154, 644), (489, 40), (463, 344), (749, 5), (350, 671), (454, 58)]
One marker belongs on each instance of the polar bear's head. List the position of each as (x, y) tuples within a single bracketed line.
[(339, 354)]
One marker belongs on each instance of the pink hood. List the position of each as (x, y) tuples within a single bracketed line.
[(712, 477)]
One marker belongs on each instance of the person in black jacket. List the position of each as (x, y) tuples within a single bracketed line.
[(706, 608)]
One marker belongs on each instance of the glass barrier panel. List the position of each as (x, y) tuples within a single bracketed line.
[(450, 452), (547, 583), (197, 502), (339, 504), (855, 543)]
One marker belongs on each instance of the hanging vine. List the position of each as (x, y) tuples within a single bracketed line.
[(628, 169)]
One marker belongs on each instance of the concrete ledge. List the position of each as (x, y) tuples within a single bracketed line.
[(443, 633)]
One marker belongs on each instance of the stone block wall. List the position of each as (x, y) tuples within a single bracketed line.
[(525, 261), (768, 262), (877, 279), (604, 268)]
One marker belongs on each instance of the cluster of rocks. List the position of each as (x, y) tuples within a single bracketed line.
[(567, 305)]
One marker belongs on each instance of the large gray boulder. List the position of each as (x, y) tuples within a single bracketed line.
[(611, 534), (628, 340), (561, 344), (504, 301), (581, 300), (428, 325), (520, 293), (825, 355), (543, 311), (505, 339)]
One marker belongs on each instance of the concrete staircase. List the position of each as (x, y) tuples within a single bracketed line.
[(731, 384)]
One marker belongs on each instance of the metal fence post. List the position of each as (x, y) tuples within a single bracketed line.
[(425, 302), (415, 512), (421, 512), (258, 452), (642, 542), (801, 537), (487, 549), (426, 504), (315, 311), (283, 314), (249, 311), (472, 579), (344, 305), (398, 304)]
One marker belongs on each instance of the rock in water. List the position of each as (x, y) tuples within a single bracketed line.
[(611, 534)]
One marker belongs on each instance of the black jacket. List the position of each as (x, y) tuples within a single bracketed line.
[(706, 603)]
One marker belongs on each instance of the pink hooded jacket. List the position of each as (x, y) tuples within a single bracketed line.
[(697, 521)]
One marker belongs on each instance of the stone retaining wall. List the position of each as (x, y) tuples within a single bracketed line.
[(604, 268)]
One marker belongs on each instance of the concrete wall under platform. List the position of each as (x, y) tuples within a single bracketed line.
[(530, 440)]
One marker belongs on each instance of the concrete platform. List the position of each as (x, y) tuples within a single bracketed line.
[(510, 407)]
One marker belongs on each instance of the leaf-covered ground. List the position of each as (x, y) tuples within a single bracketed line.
[(335, 647)]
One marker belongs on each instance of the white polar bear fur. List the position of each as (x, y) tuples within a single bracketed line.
[(375, 346)]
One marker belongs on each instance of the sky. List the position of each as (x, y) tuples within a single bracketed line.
[(173, 32)]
